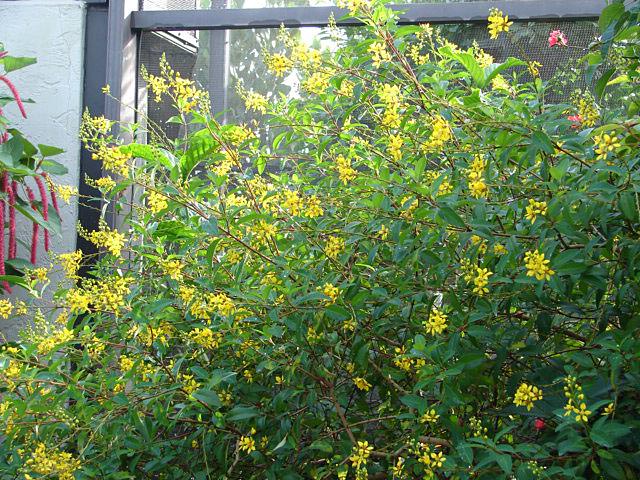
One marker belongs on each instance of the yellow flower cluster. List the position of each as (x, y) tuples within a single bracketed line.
[(256, 102), (481, 280), (112, 240), (6, 307), (263, 231), (318, 82), (440, 134), (292, 202), (104, 183), (500, 83), (278, 64), (247, 442), (534, 68), (498, 23), (537, 265), (155, 84), (429, 459), (156, 201), (534, 209), (113, 159), (189, 383), (222, 304), (526, 395), (587, 110), (354, 6), (575, 400), (383, 233), (51, 462), (334, 247), (437, 322), (360, 453), (345, 172), (379, 53), (205, 337), (429, 416), (606, 144), (305, 56), (313, 207), (499, 249), (51, 341), (391, 97), (395, 144), (106, 295), (173, 268), (475, 177), (70, 263), (65, 192), (330, 291), (361, 384)]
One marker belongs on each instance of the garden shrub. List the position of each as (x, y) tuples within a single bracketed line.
[(24, 168), (431, 272)]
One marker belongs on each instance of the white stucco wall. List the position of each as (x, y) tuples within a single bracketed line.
[(52, 31)]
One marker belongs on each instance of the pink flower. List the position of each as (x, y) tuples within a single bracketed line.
[(557, 37), (539, 424), (575, 119)]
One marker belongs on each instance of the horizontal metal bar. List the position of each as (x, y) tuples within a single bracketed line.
[(225, 19)]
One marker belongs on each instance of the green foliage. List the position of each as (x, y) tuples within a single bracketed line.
[(429, 272)]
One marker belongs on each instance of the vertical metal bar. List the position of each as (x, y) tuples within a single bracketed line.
[(94, 79), (218, 66)]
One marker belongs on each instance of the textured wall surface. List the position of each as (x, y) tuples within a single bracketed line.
[(52, 31)]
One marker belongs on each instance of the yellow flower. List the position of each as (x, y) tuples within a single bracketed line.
[(51, 462), (334, 247), (606, 144), (430, 416), (5, 308), (331, 291), (354, 6), (534, 68), (173, 268), (292, 202), (498, 23), (395, 144), (440, 135), (112, 240), (205, 337), (526, 395), (587, 110), (534, 209), (379, 54), (65, 192), (247, 444), (499, 249), (255, 101), (313, 207), (608, 410), (345, 172), (78, 300), (54, 339), (113, 159), (437, 322), (383, 233), (278, 64), (105, 183), (475, 174), (106, 89), (156, 201), (537, 265), (481, 280), (318, 82), (221, 303), (360, 453), (361, 384), (71, 263)]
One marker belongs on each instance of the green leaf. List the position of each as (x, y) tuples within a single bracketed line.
[(628, 206), (208, 397), (16, 63), (505, 462), (610, 14), (449, 215), (261, 164), (49, 151), (322, 445), (603, 82), (607, 432), (242, 413), (53, 167), (494, 70)]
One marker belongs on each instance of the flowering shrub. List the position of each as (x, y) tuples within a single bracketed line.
[(21, 160), (430, 273)]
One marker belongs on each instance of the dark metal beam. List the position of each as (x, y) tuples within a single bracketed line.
[(522, 10)]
